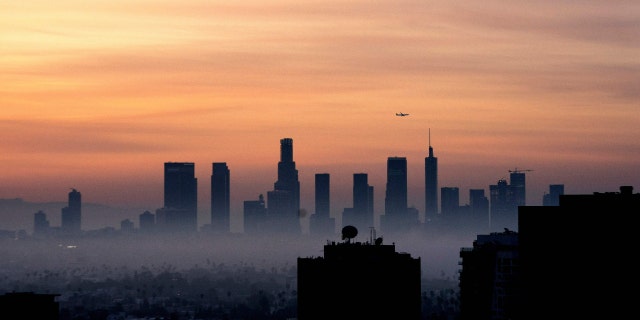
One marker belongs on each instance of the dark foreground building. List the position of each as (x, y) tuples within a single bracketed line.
[(29, 305), (576, 257), (357, 280)]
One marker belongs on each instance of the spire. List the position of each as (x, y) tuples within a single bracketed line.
[(430, 148)]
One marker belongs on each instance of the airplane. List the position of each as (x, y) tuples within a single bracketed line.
[(402, 114)]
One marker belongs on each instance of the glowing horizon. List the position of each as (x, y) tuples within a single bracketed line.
[(99, 95)]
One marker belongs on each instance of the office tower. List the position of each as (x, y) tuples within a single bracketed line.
[(363, 199), (518, 187), (450, 201), (553, 197), (180, 211), (283, 203), (503, 210), (361, 215), (220, 197), (479, 205), (430, 185), (321, 222), (576, 256), (489, 277), (359, 280), (40, 223), (255, 215), (72, 213), (126, 226), (395, 218), (322, 194), (147, 221)]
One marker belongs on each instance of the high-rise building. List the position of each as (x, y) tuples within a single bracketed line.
[(255, 215), (517, 182), (323, 194), (553, 197), (220, 198), (180, 211), (505, 200), (359, 280), (396, 192), (503, 210), (479, 205), (361, 215), (41, 225), (450, 201), (396, 217), (283, 202), (147, 221), (489, 278), (72, 213), (430, 185), (321, 222)]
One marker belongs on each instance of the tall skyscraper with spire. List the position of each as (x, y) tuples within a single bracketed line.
[(220, 197), (430, 185), (283, 202)]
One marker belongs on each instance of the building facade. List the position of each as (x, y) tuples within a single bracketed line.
[(220, 197)]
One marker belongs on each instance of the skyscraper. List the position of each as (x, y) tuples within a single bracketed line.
[(517, 180), (283, 202), (361, 215), (180, 212), (220, 197), (72, 213), (430, 185), (396, 217), (322, 194), (553, 197), (321, 222)]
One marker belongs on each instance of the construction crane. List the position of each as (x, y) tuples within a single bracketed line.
[(516, 170)]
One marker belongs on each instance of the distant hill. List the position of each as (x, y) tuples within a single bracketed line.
[(17, 214)]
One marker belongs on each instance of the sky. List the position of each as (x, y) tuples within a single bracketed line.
[(97, 95)]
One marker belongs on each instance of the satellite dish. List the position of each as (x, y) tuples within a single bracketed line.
[(349, 232), (379, 241)]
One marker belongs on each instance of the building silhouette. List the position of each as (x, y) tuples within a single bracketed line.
[(573, 256), (283, 202), (359, 280), (72, 214), (396, 217), (321, 222), (29, 305), (489, 279), (450, 202), (180, 211), (553, 197), (503, 207), (361, 214), (220, 198), (255, 216), (41, 225), (147, 222), (479, 206), (430, 185)]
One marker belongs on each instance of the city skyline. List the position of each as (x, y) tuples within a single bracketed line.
[(98, 96)]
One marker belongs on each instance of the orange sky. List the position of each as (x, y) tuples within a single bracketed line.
[(97, 95)]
